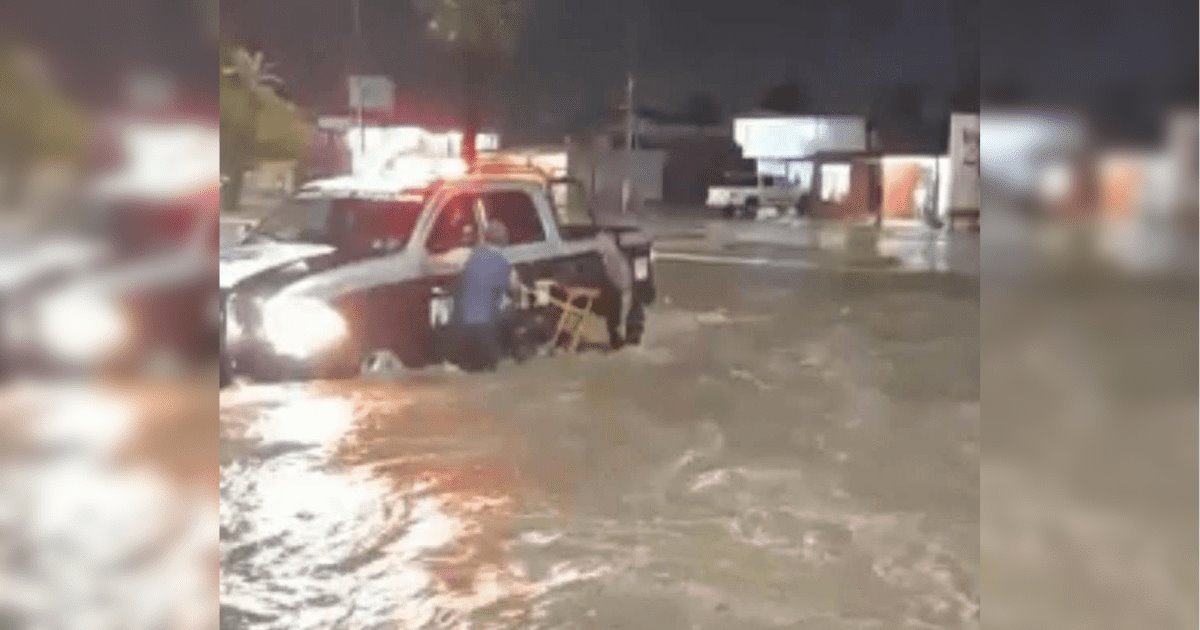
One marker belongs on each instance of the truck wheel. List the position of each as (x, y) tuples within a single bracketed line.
[(750, 210), (380, 364), (635, 323), (729, 212)]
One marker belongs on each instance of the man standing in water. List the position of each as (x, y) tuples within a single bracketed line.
[(619, 274), (486, 280)]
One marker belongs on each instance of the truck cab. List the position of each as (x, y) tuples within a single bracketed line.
[(348, 283)]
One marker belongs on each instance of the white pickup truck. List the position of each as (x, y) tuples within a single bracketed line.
[(744, 195), (334, 286)]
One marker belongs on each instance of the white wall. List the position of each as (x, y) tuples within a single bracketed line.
[(603, 174), (1015, 146), (799, 136)]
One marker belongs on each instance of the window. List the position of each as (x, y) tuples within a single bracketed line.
[(299, 220), (570, 204), (835, 182), (371, 223), (147, 228), (516, 211), (455, 225)]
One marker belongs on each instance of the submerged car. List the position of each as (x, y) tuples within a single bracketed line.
[(336, 286)]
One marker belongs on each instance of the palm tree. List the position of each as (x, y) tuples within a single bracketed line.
[(256, 123), (482, 35), (39, 125)]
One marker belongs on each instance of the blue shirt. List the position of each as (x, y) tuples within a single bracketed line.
[(483, 283)]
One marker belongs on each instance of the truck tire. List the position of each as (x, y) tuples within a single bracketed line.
[(729, 212), (635, 323), (380, 364), (750, 209)]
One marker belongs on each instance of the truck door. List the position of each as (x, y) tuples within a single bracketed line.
[(527, 247), (455, 231)]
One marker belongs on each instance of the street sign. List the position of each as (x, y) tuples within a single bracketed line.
[(372, 92)]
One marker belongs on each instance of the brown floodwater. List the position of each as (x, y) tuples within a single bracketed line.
[(786, 450)]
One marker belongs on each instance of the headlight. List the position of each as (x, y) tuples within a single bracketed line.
[(301, 327), (81, 327), (234, 331)]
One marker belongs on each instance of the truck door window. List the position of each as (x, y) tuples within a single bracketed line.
[(516, 211), (455, 224), (299, 220), (570, 204), (375, 225)]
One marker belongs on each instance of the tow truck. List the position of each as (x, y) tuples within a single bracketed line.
[(339, 286)]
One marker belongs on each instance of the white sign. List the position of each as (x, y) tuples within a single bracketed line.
[(373, 92), (164, 160), (797, 137)]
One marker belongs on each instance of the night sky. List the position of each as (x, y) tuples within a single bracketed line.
[(573, 54), (89, 43), (1069, 49)]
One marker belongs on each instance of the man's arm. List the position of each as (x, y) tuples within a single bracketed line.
[(515, 288)]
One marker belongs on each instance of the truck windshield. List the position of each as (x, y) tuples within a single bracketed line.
[(342, 222), (145, 228), (571, 204)]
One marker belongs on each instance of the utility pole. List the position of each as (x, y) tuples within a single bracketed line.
[(630, 116), (358, 83), (630, 112)]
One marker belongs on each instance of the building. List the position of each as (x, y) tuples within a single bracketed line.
[(398, 150), (693, 155), (601, 169), (1058, 163), (393, 139), (826, 157), (848, 169)]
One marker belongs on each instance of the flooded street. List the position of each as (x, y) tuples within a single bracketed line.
[(788, 449)]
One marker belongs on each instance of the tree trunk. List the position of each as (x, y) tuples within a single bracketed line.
[(470, 139), (231, 191), (474, 73), (243, 154)]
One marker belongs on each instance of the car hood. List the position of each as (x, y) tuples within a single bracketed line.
[(244, 261), (22, 264)]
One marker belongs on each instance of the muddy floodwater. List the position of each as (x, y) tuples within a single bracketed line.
[(787, 449)]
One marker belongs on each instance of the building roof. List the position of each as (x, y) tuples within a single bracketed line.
[(767, 113)]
